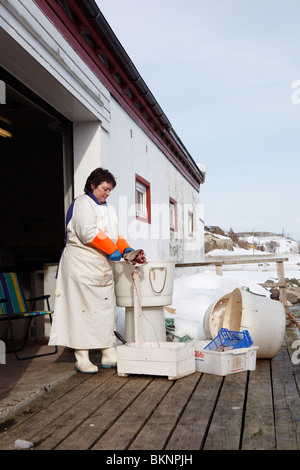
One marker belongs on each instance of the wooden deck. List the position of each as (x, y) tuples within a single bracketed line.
[(243, 411)]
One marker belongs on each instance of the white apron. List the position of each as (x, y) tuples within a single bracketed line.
[(84, 311)]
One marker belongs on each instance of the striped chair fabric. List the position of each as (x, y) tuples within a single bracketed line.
[(10, 289)]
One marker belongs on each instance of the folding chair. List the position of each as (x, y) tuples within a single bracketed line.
[(13, 306)]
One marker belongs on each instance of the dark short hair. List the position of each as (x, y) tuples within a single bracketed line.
[(98, 176)]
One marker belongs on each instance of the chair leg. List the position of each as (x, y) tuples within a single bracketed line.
[(15, 350)]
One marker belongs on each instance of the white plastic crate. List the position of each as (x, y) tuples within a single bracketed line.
[(174, 360), (226, 362)]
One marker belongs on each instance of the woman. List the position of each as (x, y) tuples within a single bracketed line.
[(84, 306)]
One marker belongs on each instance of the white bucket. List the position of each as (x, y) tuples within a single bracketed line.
[(156, 283), (242, 309)]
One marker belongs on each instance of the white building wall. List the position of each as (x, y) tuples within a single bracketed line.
[(104, 134), (185, 248), (129, 151), (126, 151), (35, 52), (86, 152)]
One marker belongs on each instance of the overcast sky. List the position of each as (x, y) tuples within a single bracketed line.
[(227, 75)]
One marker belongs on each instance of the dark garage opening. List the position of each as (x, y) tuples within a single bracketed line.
[(32, 182)]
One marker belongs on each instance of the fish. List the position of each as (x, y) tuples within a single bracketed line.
[(135, 257)]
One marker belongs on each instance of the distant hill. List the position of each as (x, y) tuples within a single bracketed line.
[(268, 242)]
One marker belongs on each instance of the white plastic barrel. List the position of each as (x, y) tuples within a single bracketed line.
[(156, 283), (156, 286), (242, 309)]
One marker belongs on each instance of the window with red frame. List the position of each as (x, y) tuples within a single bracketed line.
[(173, 214), (190, 223), (142, 199)]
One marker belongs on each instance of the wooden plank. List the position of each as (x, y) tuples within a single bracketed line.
[(286, 402), (123, 431), (232, 261), (281, 281), (259, 432), (91, 430), (190, 431), (51, 436), (226, 425), (159, 427), (35, 416), (38, 404), (200, 411), (219, 270)]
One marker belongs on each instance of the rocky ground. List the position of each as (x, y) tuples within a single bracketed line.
[(217, 242), (292, 289)]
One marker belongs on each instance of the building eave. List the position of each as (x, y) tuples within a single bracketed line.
[(86, 29)]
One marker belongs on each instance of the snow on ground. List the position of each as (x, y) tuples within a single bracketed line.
[(193, 294), (280, 243)]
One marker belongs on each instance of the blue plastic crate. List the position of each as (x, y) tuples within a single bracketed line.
[(233, 339)]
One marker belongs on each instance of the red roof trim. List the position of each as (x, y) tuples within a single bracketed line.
[(73, 35)]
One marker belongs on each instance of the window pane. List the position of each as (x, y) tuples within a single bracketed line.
[(190, 224), (141, 206), (142, 199), (173, 214)]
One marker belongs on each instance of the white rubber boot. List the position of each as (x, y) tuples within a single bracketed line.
[(83, 363), (109, 357)]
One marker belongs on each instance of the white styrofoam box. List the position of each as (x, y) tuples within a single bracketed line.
[(174, 360), (226, 362)]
